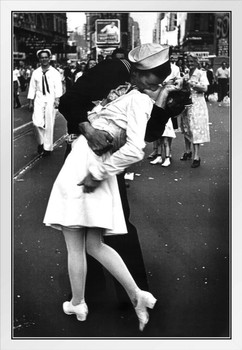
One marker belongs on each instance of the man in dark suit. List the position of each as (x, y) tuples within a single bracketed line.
[(74, 105)]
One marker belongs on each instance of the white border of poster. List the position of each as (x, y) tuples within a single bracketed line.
[(235, 343)]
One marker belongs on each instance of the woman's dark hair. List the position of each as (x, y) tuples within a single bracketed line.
[(162, 71), (176, 101)]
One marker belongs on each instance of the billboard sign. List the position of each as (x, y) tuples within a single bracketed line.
[(200, 54), (107, 31)]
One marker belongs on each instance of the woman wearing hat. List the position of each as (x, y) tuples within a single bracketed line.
[(195, 119), (45, 89), (85, 202)]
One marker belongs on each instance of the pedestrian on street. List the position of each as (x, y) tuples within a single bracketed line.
[(29, 72), (22, 78), (90, 64), (165, 140), (79, 70), (68, 76), (16, 86), (119, 53), (195, 119), (88, 212), (222, 78), (210, 76), (45, 89), (164, 143)]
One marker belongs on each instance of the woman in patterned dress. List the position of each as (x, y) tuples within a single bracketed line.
[(195, 119)]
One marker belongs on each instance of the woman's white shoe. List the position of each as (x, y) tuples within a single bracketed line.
[(167, 162), (157, 160), (80, 310), (144, 300)]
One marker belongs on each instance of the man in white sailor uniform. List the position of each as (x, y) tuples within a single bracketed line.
[(45, 89)]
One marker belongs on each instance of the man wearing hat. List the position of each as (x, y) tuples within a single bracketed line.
[(148, 61), (45, 89), (109, 74)]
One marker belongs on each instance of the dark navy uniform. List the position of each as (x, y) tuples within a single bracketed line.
[(74, 105)]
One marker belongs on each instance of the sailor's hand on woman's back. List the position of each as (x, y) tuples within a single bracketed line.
[(98, 140)]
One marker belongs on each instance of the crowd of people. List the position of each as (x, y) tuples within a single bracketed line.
[(69, 72), (202, 82), (217, 88), (218, 79)]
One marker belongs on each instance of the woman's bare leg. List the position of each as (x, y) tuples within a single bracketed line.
[(111, 260), (77, 264)]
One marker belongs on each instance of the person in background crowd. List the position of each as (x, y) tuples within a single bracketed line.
[(180, 65), (165, 140), (79, 71), (228, 67), (61, 71), (164, 143), (108, 57), (68, 76), (222, 79), (195, 119), (119, 53), (175, 71), (22, 78), (45, 89), (87, 213), (16, 86), (29, 71), (210, 77), (90, 64), (100, 58)]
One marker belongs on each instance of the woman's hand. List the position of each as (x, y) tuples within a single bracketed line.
[(89, 183), (192, 84), (98, 140), (56, 103)]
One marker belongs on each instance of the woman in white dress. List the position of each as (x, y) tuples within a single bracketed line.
[(164, 142), (195, 119), (85, 202)]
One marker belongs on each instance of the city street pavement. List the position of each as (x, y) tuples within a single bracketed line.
[(182, 217), (25, 147)]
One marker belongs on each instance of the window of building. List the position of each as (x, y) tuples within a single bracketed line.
[(197, 21)]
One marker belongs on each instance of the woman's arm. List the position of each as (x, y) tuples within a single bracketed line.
[(138, 109)]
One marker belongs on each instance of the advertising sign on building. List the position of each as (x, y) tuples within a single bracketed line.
[(222, 35), (223, 47), (200, 54), (107, 31)]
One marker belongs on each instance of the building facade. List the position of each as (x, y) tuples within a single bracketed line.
[(36, 30), (207, 34)]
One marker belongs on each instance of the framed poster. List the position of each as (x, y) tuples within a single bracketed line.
[(181, 310)]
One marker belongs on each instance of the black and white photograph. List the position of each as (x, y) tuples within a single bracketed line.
[(120, 211)]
